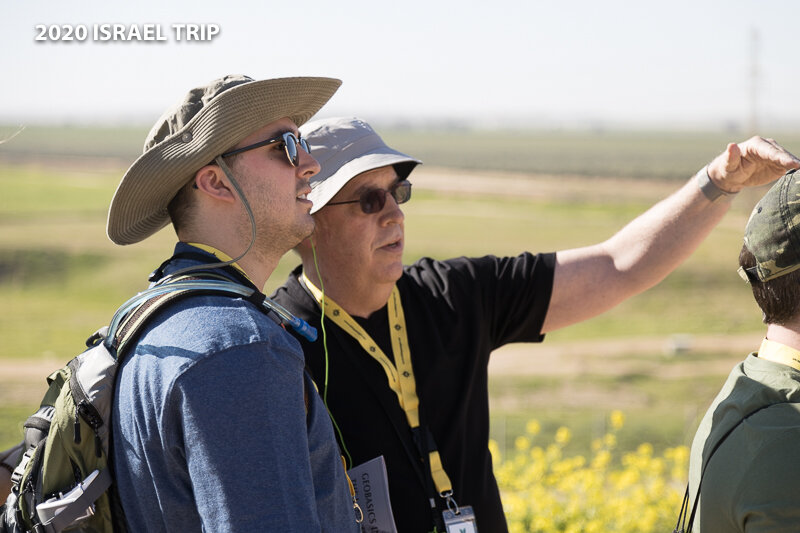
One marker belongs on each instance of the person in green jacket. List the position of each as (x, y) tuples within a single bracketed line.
[(745, 449)]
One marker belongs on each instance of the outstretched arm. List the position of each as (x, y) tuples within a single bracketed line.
[(593, 279)]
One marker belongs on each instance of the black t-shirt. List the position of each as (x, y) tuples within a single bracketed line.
[(457, 311)]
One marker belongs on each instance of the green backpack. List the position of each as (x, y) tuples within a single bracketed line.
[(63, 481)]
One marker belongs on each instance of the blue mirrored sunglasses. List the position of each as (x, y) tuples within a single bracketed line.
[(290, 142)]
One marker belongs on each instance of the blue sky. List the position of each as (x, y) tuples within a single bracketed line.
[(572, 62)]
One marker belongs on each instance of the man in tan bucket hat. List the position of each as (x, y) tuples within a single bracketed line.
[(216, 425)]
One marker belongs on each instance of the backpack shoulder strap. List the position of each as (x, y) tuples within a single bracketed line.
[(136, 319), (133, 314), (158, 298)]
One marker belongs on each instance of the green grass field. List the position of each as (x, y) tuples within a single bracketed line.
[(638, 154), (60, 277)]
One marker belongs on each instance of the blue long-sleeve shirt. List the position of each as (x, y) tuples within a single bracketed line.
[(211, 429)]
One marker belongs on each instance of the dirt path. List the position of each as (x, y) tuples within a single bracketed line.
[(605, 356), (621, 356)]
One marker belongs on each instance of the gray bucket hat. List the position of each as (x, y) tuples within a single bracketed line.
[(773, 232), (344, 148), (210, 120)]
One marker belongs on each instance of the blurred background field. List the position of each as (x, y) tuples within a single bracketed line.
[(595, 85), (659, 358)]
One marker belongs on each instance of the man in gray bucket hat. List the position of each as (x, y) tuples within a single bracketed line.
[(745, 449), (403, 365), (216, 425)]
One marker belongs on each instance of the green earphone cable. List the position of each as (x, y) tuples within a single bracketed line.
[(327, 361)]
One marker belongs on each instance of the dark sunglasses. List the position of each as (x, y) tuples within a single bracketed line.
[(289, 140), (373, 200)]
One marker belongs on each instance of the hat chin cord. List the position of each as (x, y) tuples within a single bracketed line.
[(297, 324), (219, 161)]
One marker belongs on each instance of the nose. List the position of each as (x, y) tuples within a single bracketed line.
[(307, 166), (391, 212)]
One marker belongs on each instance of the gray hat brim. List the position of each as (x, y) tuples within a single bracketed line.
[(139, 206), (327, 189), (346, 147)]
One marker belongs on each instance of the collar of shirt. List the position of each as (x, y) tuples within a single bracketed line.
[(779, 353), (222, 256)]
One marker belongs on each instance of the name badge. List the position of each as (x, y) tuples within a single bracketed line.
[(462, 520)]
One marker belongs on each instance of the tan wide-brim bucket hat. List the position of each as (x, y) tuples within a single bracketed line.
[(210, 120)]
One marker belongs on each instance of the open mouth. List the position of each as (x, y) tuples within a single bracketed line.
[(302, 194), (303, 190)]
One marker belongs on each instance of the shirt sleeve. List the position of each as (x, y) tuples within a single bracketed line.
[(510, 294), (243, 431)]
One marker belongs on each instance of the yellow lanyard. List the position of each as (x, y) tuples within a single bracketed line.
[(779, 353), (222, 256), (400, 377)]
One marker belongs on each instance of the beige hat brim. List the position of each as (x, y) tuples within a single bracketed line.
[(139, 206)]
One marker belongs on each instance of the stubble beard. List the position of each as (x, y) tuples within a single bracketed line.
[(278, 237)]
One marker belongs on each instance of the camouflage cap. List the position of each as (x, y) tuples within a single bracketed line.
[(773, 232)]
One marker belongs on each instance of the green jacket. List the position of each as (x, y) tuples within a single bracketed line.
[(752, 482)]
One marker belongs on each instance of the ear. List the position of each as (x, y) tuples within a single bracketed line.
[(211, 180)]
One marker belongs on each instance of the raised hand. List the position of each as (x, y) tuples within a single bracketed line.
[(753, 162)]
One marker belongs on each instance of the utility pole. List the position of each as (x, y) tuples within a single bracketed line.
[(753, 125)]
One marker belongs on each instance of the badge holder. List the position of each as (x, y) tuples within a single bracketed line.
[(458, 519)]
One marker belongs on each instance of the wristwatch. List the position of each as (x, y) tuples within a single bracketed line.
[(709, 188)]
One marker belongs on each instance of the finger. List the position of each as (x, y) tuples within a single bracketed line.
[(783, 153), (733, 157), (759, 150), (781, 158)]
